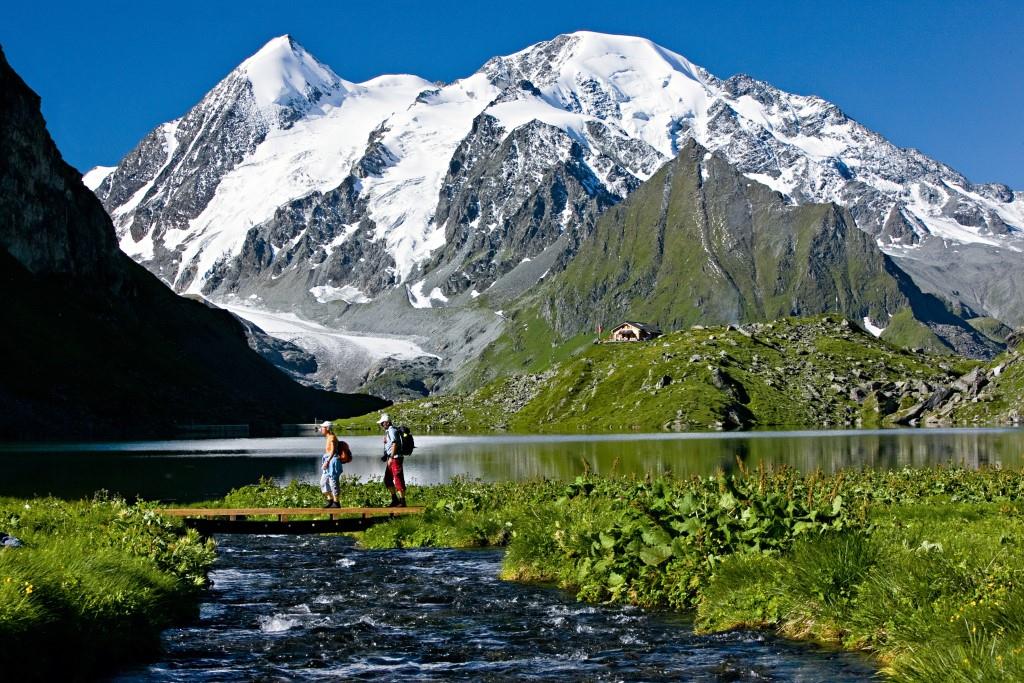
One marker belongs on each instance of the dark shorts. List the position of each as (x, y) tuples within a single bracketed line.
[(394, 476)]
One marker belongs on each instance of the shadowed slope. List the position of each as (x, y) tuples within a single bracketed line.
[(94, 345)]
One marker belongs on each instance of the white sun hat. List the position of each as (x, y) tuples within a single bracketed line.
[(384, 417)]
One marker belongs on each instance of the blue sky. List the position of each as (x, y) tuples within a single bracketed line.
[(945, 77)]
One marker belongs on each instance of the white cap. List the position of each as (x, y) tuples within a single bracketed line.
[(326, 423), (384, 417)]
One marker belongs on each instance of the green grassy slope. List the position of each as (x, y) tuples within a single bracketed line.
[(94, 585), (807, 372), (701, 243)]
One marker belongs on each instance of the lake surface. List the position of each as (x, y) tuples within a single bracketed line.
[(191, 470), (316, 608)]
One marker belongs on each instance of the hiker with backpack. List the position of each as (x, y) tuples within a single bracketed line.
[(336, 452), (394, 454)]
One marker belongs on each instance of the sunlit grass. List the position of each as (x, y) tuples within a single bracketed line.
[(95, 582)]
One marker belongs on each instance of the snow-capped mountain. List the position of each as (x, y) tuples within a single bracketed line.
[(289, 186)]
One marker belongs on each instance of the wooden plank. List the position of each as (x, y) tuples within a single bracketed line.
[(209, 527), (277, 512)]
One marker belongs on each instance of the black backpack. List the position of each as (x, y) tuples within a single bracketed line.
[(405, 441)]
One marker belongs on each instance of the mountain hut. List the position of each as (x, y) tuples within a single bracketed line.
[(633, 331)]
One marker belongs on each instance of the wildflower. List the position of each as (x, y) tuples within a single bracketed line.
[(28, 588)]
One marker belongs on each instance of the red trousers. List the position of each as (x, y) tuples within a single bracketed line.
[(394, 476)]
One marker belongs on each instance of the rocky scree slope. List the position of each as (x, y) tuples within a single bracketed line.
[(796, 372), (290, 184), (94, 344), (988, 395)]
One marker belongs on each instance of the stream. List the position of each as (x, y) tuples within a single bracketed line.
[(317, 608)]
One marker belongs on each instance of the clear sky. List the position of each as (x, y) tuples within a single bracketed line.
[(944, 77)]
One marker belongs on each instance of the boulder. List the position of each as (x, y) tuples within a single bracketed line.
[(911, 415), (972, 382)]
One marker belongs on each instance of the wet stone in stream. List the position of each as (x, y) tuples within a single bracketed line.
[(317, 608)]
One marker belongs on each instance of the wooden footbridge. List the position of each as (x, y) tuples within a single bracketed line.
[(284, 520)]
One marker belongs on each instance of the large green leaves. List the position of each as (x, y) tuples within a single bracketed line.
[(655, 555)]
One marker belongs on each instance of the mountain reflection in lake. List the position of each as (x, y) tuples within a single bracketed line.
[(316, 608), (201, 469)]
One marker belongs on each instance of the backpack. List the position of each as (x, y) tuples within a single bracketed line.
[(343, 451), (405, 440)]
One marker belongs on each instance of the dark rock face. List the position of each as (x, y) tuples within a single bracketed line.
[(403, 380), (47, 224), (95, 345), (509, 198), (282, 354), (897, 229)]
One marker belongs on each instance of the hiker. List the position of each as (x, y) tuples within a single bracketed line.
[(394, 477), (330, 465)]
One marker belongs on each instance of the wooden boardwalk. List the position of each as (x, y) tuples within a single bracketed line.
[(282, 520)]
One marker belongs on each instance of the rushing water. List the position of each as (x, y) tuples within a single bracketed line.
[(190, 470), (317, 608)]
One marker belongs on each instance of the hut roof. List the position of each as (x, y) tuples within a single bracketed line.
[(649, 329)]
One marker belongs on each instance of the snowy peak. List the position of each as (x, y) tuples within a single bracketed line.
[(641, 86), (626, 62), (96, 175), (283, 73)]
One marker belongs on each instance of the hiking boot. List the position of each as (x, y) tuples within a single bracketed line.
[(401, 503)]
